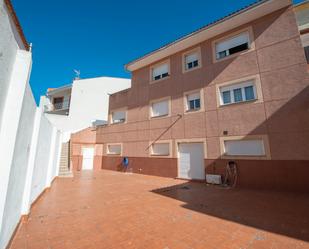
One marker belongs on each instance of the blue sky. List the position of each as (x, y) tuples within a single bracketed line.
[(98, 37)]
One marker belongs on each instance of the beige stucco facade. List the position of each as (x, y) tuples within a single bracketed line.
[(279, 116)]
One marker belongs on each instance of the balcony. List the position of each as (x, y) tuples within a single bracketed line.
[(61, 108)]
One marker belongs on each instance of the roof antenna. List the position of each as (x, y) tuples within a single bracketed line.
[(77, 74)]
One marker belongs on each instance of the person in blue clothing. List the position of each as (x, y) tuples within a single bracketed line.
[(125, 163)]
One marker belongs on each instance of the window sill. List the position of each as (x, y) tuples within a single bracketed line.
[(215, 60), (156, 81), (194, 111), (246, 157), (191, 69), (159, 117), (240, 103), (116, 155), (160, 156), (117, 123)]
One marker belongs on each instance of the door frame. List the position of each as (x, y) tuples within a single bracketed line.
[(188, 141), (87, 146)]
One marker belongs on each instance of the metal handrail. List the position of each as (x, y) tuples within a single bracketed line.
[(57, 106)]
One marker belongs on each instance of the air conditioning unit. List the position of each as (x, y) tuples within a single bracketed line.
[(213, 179)]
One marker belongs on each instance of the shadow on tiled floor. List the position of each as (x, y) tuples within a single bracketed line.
[(277, 212)]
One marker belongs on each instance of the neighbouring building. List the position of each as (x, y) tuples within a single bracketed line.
[(74, 107), (236, 89)]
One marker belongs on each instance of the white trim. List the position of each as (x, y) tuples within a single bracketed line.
[(257, 90), (123, 109), (251, 44), (169, 142), (189, 52), (185, 95), (168, 99), (167, 62), (263, 138), (113, 154)]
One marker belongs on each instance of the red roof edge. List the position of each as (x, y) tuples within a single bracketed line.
[(17, 23)]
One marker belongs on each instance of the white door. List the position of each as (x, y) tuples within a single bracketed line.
[(191, 161), (88, 153)]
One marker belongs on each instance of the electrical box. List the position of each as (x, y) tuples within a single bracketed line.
[(213, 179)]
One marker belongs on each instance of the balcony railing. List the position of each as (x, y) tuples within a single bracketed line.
[(57, 107)]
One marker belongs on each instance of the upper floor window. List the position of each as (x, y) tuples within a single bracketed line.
[(193, 101), (191, 60), (118, 116), (160, 71), (236, 93), (160, 108), (232, 45), (58, 103), (160, 149)]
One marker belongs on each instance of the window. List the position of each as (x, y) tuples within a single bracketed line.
[(114, 149), (236, 93), (193, 101), (191, 60), (161, 71), (118, 117), (244, 147), (233, 45), (58, 103), (160, 149), (160, 108)]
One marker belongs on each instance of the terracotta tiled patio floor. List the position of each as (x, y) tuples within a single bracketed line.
[(108, 209)]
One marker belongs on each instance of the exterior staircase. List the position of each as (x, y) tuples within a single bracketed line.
[(64, 170)]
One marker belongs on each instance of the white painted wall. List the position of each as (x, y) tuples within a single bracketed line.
[(10, 123), (19, 166), (8, 50), (42, 159), (89, 102), (29, 143)]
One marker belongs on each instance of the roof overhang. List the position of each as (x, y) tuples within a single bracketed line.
[(235, 20), (59, 90)]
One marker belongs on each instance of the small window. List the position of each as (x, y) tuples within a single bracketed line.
[(160, 108), (191, 60), (237, 93), (114, 149), (118, 117), (232, 45), (160, 149), (193, 101), (58, 103), (160, 71), (244, 147)]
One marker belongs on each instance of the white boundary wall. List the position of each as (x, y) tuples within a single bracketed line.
[(29, 150), (29, 144)]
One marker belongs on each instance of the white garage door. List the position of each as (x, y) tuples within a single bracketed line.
[(191, 161), (88, 153)]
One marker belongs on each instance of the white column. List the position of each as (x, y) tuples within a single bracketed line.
[(51, 157), (25, 209), (10, 120)]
